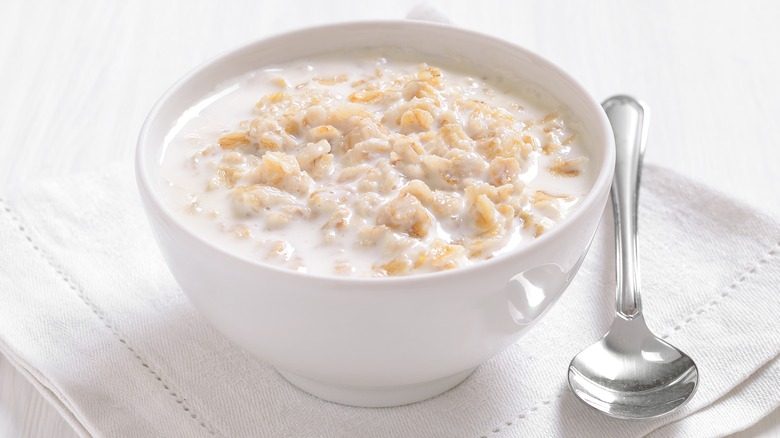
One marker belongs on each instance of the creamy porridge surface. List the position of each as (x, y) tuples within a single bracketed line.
[(373, 163)]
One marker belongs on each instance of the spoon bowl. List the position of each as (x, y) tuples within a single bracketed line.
[(643, 378), (630, 373)]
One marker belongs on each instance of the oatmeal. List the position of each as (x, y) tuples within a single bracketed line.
[(376, 166)]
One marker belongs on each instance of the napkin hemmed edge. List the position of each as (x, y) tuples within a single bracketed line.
[(46, 390)]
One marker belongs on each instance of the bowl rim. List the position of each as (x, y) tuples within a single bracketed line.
[(603, 178)]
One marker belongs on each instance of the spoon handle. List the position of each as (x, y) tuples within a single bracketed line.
[(629, 119)]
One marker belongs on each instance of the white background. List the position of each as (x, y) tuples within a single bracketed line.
[(77, 78)]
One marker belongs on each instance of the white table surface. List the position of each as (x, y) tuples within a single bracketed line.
[(77, 78)]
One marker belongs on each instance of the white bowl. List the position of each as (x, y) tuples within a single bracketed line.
[(365, 341)]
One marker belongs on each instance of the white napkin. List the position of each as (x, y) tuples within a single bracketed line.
[(89, 312)]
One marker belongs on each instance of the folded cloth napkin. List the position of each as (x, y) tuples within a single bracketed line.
[(90, 314)]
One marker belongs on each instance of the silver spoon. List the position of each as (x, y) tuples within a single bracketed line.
[(630, 373)]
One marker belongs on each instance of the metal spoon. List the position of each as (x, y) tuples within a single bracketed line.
[(630, 373)]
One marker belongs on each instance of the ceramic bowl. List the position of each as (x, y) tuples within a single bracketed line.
[(376, 341)]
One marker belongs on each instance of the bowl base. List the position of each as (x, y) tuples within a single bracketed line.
[(375, 396)]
